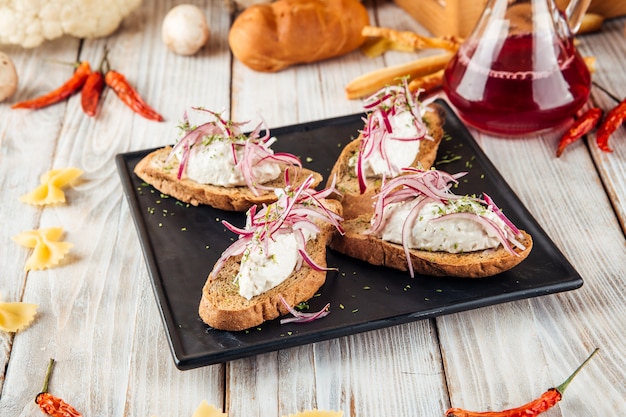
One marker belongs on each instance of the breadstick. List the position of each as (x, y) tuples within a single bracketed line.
[(413, 40), (373, 47), (373, 81), (591, 23), (428, 82)]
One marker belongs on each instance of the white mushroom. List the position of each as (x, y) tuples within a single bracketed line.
[(185, 30), (8, 77)]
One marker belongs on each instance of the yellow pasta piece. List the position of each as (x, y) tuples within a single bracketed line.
[(206, 410), (47, 250), (317, 413), (50, 191), (16, 316)]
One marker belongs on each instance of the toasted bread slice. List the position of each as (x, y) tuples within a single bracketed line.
[(162, 175), (375, 251), (221, 306), (355, 203)]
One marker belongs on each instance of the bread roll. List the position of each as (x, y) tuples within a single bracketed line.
[(271, 37)]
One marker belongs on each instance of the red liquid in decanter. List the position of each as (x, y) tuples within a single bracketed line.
[(525, 87)]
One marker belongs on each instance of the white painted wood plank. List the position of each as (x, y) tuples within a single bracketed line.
[(97, 314), (375, 373), (568, 199), (611, 48), (27, 140), (394, 371)]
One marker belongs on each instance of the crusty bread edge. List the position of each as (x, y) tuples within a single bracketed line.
[(376, 251), (153, 170), (299, 287), (272, 37)]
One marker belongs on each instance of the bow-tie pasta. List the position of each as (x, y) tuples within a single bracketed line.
[(206, 410), (16, 316), (47, 250), (50, 191)]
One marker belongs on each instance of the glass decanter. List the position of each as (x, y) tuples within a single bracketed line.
[(519, 72)]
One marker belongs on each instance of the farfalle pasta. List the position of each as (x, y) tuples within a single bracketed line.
[(317, 413), (50, 191), (47, 249), (206, 410), (16, 316)]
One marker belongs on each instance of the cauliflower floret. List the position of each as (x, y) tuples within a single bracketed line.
[(31, 22)]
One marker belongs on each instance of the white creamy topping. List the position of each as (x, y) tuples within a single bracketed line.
[(260, 271), (401, 153), (453, 235), (213, 164)]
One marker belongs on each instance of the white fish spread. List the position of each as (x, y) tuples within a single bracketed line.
[(453, 235), (213, 163), (261, 271), (401, 153)]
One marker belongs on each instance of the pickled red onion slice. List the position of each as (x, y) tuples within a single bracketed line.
[(434, 186), (498, 211), (300, 317), (255, 147), (295, 211), (377, 131)]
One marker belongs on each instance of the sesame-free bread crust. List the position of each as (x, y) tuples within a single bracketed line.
[(221, 306), (274, 36), (367, 247), (355, 203), (162, 175)]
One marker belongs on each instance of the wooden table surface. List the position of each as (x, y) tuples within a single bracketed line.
[(97, 313)]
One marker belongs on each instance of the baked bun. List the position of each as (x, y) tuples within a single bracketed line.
[(271, 37)]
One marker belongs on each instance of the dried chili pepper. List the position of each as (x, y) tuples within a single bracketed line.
[(583, 125), (68, 88), (613, 120), (90, 94), (129, 95), (547, 400), (52, 405), (92, 90)]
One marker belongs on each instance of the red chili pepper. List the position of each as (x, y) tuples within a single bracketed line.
[(72, 85), (129, 95), (547, 400), (52, 405), (90, 94), (610, 124), (583, 125), (92, 90)]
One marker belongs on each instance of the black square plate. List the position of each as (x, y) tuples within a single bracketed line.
[(181, 244)]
